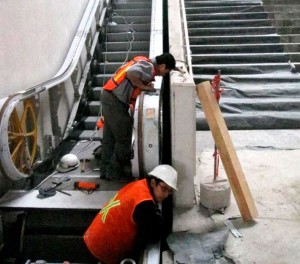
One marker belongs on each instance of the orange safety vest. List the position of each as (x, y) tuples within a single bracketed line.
[(112, 234), (120, 74)]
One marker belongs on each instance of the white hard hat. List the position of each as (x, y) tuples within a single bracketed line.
[(67, 163), (167, 174)]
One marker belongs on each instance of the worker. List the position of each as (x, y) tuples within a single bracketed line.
[(132, 218), (118, 95)]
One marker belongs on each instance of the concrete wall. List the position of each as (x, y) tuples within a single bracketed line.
[(35, 38), (183, 113)]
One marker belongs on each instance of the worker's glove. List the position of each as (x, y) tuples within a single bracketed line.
[(152, 90), (131, 110), (158, 211)]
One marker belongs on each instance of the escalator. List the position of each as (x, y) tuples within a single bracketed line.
[(255, 47), (126, 35), (52, 231)]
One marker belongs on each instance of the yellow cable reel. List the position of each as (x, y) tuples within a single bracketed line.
[(22, 136)]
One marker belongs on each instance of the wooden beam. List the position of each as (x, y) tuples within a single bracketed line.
[(227, 152)]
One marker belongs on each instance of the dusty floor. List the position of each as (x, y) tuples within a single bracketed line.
[(271, 163)]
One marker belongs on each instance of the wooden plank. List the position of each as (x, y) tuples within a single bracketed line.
[(227, 152)]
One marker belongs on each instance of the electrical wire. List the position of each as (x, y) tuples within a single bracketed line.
[(130, 39)]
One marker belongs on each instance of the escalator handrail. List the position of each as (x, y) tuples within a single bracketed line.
[(186, 38), (8, 104)]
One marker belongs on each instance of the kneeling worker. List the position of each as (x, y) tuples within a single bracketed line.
[(131, 219)]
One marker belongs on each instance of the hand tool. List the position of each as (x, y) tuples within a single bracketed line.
[(86, 186), (51, 191)]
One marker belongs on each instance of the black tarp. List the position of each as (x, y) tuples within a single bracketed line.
[(258, 101)]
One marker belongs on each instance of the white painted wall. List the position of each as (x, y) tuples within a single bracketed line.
[(35, 36)]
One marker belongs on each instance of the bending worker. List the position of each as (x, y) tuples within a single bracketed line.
[(118, 94), (132, 218)]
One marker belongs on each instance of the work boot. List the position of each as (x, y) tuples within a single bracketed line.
[(118, 177), (127, 171), (113, 173), (103, 174)]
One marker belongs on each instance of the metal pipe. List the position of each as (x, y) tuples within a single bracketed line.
[(128, 261)]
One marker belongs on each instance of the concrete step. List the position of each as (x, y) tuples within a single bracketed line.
[(234, 58), (220, 3), (239, 69), (196, 8), (243, 48), (227, 16), (280, 77), (194, 19), (236, 39)]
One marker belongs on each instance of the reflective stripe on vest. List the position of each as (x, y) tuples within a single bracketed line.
[(119, 76)]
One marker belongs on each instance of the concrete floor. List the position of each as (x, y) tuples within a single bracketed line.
[(270, 161)]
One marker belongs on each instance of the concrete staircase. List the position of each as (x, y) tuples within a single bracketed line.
[(251, 43)]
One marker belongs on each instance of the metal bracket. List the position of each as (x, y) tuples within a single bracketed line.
[(232, 229)]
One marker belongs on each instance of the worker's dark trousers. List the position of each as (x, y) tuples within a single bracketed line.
[(116, 142)]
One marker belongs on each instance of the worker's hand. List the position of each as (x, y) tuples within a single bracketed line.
[(151, 90), (131, 110), (158, 212)]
